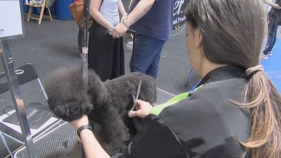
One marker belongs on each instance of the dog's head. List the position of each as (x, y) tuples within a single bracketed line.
[(122, 89), (66, 96)]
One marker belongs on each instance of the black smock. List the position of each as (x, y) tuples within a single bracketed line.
[(206, 124)]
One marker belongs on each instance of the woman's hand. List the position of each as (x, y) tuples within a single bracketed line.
[(80, 122), (144, 109), (274, 5), (110, 30), (115, 33)]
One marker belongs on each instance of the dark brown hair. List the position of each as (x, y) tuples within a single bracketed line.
[(233, 33)]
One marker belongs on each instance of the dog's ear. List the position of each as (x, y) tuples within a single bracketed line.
[(131, 90)]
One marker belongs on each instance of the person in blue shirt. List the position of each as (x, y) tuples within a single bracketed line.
[(152, 20), (274, 20)]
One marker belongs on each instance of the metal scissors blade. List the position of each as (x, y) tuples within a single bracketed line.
[(135, 98), (138, 92)]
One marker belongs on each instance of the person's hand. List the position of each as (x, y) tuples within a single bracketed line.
[(119, 30), (144, 109), (115, 34), (110, 30), (80, 122)]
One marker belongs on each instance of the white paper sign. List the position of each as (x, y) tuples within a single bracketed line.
[(10, 18)]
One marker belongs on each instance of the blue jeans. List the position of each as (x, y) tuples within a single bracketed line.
[(146, 57), (272, 31)]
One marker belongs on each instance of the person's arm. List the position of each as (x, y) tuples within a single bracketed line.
[(92, 147), (94, 11), (121, 9), (274, 5), (139, 11)]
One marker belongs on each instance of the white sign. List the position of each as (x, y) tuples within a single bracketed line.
[(10, 18)]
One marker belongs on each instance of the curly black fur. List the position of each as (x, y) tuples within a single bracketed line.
[(106, 103)]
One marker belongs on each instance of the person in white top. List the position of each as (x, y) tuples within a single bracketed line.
[(106, 53)]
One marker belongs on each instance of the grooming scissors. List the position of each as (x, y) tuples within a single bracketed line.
[(135, 98)]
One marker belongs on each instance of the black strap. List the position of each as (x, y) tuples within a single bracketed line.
[(80, 129)]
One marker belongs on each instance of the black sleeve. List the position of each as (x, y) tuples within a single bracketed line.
[(155, 140)]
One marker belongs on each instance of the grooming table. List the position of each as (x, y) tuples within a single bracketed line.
[(61, 142)]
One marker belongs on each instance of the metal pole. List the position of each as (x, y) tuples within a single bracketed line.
[(86, 22), (12, 80), (85, 44)]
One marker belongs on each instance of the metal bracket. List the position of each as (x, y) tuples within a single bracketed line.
[(12, 80)]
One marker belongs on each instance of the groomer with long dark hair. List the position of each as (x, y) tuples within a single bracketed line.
[(235, 111)]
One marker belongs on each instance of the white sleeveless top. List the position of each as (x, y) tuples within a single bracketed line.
[(109, 10)]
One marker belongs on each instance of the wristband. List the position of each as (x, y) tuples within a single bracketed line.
[(125, 24), (80, 129)]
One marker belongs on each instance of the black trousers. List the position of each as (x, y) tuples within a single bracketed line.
[(106, 54)]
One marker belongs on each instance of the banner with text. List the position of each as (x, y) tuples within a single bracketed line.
[(179, 16)]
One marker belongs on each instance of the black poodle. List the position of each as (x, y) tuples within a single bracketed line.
[(106, 103)]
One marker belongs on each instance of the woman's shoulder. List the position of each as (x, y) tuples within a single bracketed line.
[(214, 96), (213, 103), (209, 116)]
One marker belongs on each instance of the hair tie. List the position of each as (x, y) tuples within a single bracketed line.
[(252, 70)]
